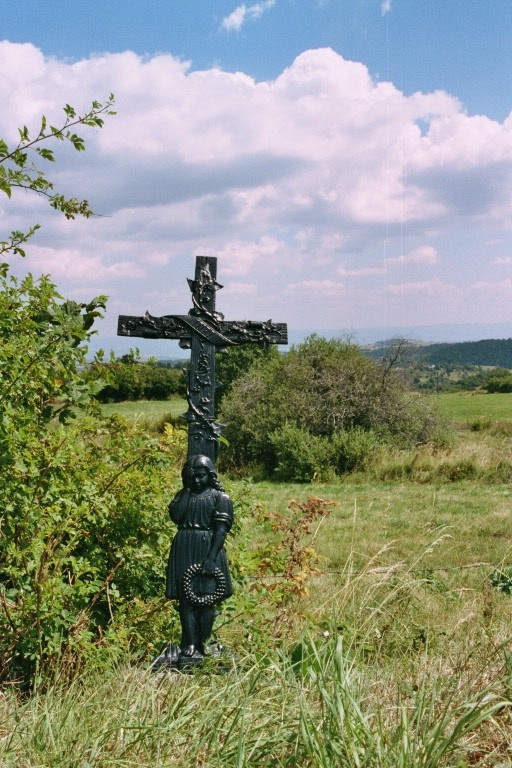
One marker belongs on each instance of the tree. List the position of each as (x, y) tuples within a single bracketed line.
[(80, 494), (324, 390), (236, 361), (498, 380), (127, 378)]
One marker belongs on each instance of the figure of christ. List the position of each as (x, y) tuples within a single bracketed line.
[(197, 572)]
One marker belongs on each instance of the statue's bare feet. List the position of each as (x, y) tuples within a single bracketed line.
[(188, 650)]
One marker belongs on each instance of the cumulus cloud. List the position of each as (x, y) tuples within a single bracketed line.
[(297, 184), (423, 288), (425, 254), (243, 13), (503, 261), (363, 272)]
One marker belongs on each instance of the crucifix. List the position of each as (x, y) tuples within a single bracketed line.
[(205, 332)]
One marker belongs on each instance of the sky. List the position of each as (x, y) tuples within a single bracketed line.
[(349, 162)]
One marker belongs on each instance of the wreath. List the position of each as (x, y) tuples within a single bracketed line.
[(196, 569)]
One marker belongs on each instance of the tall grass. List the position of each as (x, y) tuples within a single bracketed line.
[(346, 692), (482, 454), (399, 657)]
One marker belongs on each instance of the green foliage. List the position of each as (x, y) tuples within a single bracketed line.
[(38, 376), (272, 564), (82, 495), (320, 390), (498, 380), (300, 456), (236, 361), (353, 448), (80, 499), (17, 170), (501, 579), (127, 378)]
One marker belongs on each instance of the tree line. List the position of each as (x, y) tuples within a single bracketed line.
[(128, 378), (486, 352)]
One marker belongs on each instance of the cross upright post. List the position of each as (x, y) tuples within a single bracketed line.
[(204, 331)]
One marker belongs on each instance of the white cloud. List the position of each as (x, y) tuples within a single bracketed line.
[(425, 254), (243, 13), (422, 288), (297, 184), (74, 264), (503, 261), (363, 272)]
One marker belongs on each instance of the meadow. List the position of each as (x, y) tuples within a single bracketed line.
[(387, 642), (148, 411), (470, 406)]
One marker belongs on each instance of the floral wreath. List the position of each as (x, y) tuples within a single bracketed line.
[(203, 600)]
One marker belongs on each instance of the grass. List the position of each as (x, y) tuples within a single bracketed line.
[(470, 406), (460, 407), (147, 410), (327, 709), (398, 654)]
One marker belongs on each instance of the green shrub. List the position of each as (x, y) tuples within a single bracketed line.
[(82, 497), (353, 448), (464, 469), (480, 424), (501, 579), (322, 387), (300, 456), (127, 378), (498, 380)]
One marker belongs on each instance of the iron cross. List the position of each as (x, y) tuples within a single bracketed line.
[(204, 331)]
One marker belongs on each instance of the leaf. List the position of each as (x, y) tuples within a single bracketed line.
[(5, 187), (46, 153), (77, 141)]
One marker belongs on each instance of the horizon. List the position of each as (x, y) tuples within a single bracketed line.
[(439, 334)]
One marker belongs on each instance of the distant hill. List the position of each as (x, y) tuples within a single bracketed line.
[(488, 352)]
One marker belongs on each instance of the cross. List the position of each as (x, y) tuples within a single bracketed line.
[(205, 332)]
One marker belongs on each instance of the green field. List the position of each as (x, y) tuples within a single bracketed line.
[(469, 406), (149, 410), (395, 653), (461, 407)]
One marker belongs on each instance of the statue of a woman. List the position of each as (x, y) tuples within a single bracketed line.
[(197, 572)]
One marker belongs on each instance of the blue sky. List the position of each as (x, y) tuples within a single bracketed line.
[(348, 161), (461, 46)]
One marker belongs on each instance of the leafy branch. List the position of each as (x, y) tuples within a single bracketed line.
[(17, 170)]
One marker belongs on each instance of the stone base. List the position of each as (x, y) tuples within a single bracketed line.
[(217, 659), (168, 659)]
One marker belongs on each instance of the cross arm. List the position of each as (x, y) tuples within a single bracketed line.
[(149, 327), (220, 333)]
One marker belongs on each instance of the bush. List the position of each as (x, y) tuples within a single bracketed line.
[(498, 380), (352, 448), (301, 457), (82, 498), (127, 378), (322, 388)]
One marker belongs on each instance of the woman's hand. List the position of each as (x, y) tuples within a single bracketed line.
[(209, 566)]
